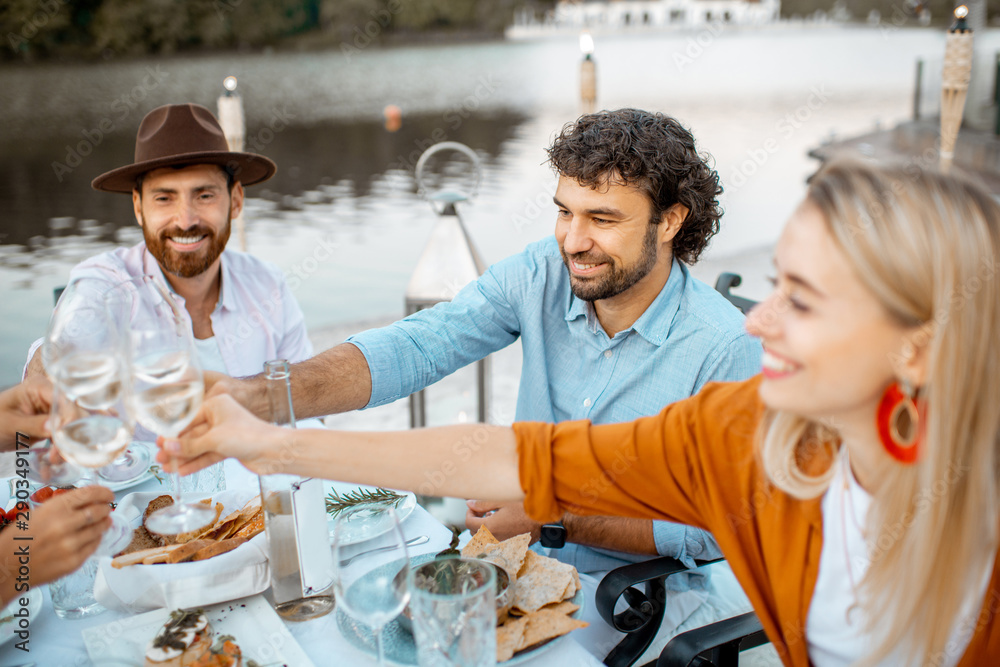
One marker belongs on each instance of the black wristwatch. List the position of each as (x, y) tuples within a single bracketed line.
[(553, 535)]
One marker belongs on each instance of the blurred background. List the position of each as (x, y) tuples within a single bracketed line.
[(343, 217)]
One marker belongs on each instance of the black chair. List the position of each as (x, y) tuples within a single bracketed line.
[(715, 645), (724, 283)]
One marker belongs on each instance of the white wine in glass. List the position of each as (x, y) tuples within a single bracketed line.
[(166, 381)]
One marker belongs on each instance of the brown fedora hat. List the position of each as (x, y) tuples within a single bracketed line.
[(179, 134)]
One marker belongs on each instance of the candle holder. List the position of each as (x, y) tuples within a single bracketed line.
[(588, 74), (955, 78)]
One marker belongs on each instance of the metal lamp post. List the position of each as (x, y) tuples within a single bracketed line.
[(449, 262), (955, 78), (230, 106), (588, 74)]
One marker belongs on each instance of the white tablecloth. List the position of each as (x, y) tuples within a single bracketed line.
[(55, 641)]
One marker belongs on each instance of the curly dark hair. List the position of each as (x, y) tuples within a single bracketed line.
[(653, 152)]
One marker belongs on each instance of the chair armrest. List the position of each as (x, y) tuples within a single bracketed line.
[(729, 637), (621, 580), (726, 282)]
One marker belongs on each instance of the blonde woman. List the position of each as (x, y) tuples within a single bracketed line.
[(853, 486)]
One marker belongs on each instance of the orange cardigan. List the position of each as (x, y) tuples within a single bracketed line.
[(694, 463)]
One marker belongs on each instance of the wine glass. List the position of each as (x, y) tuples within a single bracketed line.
[(371, 589), (47, 467), (82, 349), (89, 419), (167, 385)]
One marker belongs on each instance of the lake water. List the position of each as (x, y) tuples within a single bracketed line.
[(755, 100)]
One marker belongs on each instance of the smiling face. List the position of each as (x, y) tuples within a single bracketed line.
[(828, 343), (185, 216), (607, 240)]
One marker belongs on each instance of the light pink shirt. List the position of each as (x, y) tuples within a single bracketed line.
[(257, 318)]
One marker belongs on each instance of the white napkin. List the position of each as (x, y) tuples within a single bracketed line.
[(138, 588)]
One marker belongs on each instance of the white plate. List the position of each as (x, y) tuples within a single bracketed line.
[(9, 623), (367, 525), (259, 632), (142, 477)]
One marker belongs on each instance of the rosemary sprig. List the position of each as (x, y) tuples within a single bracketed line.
[(157, 471), (338, 502)]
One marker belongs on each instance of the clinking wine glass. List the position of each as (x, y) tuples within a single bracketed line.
[(371, 589), (90, 430), (82, 352), (166, 380)]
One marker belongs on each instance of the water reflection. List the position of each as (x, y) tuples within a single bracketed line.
[(316, 164)]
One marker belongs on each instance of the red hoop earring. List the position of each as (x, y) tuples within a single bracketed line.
[(899, 423)]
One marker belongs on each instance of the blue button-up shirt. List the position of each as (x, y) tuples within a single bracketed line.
[(572, 369)]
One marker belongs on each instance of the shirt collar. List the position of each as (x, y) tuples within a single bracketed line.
[(654, 323), (151, 267)]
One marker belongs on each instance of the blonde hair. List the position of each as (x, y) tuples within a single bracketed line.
[(927, 246)]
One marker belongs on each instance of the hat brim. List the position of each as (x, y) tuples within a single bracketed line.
[(247, 168)]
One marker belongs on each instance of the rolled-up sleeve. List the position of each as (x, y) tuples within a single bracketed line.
[(680, 465), (684, 543), (419, 350)]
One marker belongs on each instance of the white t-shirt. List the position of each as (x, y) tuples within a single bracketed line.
[(836, 627)]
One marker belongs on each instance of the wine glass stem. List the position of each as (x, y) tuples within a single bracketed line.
[(178, 500), (378, 646)]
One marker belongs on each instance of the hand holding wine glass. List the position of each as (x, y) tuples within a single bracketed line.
[(89, 420), (165, 379)]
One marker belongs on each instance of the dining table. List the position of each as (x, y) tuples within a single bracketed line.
[(57, 641)]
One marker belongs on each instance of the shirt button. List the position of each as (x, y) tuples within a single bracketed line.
[(608, 354), (587, 402)]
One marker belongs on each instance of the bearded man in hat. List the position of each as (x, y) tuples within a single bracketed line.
[(186, 187)]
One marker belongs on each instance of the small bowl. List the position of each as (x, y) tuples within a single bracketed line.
[(505, 597)]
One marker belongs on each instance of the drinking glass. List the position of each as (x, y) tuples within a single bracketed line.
[(166, 380), (371, 589), (73, 594), (453, 601)]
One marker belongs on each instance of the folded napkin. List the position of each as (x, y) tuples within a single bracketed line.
[(138, 588)]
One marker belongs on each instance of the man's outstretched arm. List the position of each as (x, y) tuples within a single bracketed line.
[(337, 380)]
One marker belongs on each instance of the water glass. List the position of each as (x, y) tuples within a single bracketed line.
[(73, 595), (453, 602)]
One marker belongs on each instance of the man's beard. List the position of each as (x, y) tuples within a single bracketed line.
[(617, 278), (186, 264)]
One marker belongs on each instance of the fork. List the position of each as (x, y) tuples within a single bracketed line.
[(412, 542)]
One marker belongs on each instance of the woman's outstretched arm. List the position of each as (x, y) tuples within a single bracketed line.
[(469, 460)]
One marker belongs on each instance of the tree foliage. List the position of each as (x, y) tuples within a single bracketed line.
[(38, 29)]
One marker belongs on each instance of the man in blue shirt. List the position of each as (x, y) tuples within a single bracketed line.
[(612, 324)]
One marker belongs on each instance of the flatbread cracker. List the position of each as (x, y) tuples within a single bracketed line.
[(479, 542), (509, 636), (564, 607), (509, 554), (546, 624), (543, 581)]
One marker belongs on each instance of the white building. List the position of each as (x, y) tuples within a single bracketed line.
[(638, 15)]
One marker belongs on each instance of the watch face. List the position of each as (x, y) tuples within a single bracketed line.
[(553, 536)]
